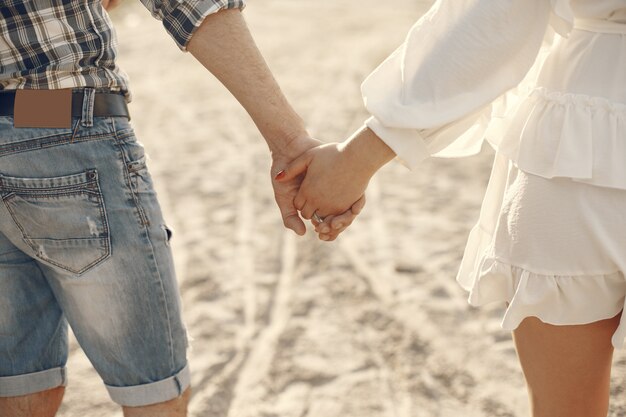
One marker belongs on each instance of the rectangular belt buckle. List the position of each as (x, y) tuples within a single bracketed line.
[(43, 108)]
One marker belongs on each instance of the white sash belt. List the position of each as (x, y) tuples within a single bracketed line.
[(600, 26)]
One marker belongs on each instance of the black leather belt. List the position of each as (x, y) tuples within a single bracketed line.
[(105, 104)]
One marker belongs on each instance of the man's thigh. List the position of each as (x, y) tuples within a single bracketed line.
[(33, 332)]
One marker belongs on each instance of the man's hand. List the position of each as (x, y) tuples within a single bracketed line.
[(286, 191)]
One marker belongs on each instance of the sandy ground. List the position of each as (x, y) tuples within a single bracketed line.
[(373, 325)]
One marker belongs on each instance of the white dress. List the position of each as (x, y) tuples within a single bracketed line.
[(544, 82)]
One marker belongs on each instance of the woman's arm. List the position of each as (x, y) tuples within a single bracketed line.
[(456, 60)]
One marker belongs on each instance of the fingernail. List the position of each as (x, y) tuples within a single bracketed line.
[(280, 175), (325, 230), (323, 237), (338, 226)]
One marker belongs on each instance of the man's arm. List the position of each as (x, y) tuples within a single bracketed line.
[(224, 45)]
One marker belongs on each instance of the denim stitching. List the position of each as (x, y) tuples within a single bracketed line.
[(60, 352), (87, 185), (143, 219), (51, 141), (87, 113), (80, 187), (74, 132), (165, 306), (119, 140)]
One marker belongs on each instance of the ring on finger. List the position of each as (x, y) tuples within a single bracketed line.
[(317, 218)]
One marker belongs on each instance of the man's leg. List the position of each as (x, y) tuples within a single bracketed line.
[(173, 408), (41, 404), (47, 403), (91, 248), (114, 277), (34, 336)]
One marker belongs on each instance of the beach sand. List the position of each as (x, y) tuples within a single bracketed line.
[(373, 325)]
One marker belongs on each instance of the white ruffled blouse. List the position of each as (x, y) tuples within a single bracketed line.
[(543, 81)]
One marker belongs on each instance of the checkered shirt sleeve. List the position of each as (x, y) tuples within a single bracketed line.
[(54, 44), (182, 17)]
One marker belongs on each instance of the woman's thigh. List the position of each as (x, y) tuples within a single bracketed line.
[(567, 368)]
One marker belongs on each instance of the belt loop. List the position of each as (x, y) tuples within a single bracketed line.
[(88, 99)]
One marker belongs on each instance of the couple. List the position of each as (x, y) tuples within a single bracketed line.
[(83, 240)]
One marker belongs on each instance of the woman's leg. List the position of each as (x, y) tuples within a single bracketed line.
[(567, 368)]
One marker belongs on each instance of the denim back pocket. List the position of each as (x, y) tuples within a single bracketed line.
[(62, 219)]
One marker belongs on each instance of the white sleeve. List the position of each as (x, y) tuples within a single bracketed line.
[(437, 88)]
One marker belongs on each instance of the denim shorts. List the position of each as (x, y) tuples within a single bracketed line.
[(83, 241)]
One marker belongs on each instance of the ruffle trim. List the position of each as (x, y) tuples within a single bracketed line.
[(562, 19), (554, 299), (554, 134)]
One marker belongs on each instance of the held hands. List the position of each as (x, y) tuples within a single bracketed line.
[(335, 178), (326, 180), (334, 181), (286, 190)]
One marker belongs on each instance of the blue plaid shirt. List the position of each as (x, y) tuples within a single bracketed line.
[(52, 44)]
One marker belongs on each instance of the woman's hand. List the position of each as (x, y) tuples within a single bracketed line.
[(333, 226), (286, 191)]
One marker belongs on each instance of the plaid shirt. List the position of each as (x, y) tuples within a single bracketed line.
[(52, 44)]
